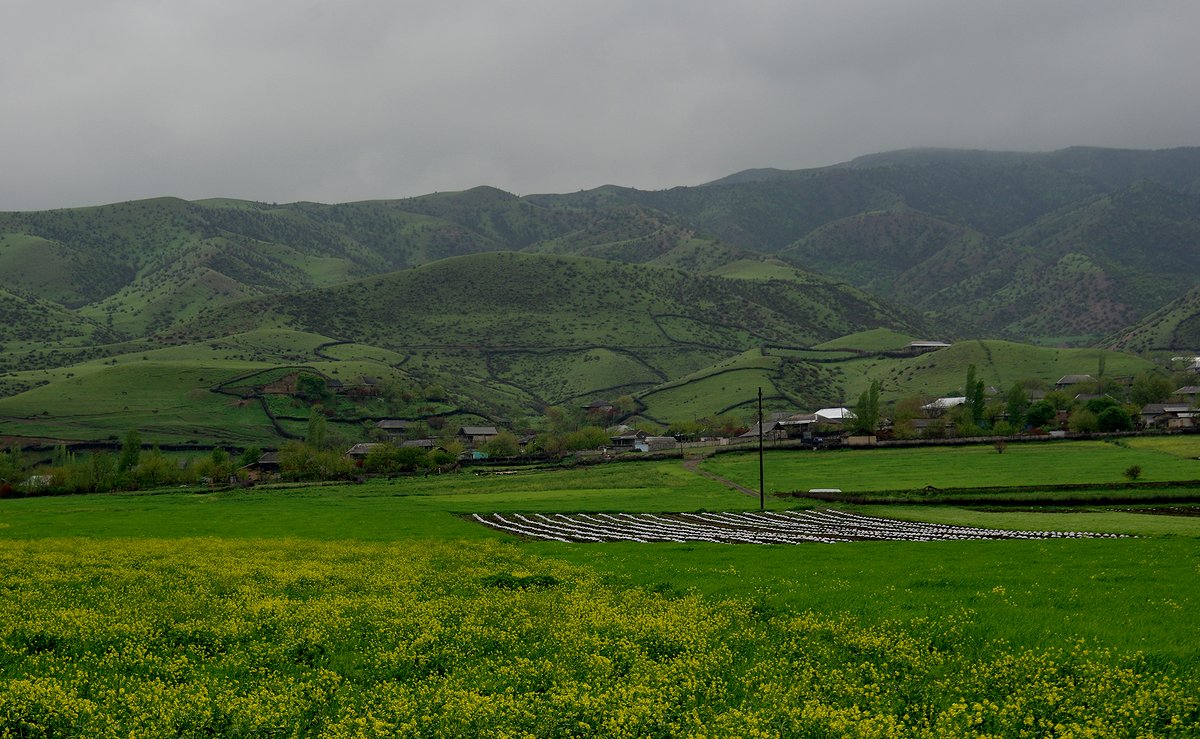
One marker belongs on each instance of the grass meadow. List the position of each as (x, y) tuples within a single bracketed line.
[(376, 609)]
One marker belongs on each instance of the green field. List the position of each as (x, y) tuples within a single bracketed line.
[(980, 466), (377, 609)]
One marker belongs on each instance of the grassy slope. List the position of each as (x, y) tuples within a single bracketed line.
[(167, 401)]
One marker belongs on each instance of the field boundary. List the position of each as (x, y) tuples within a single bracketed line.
[(996, 495)]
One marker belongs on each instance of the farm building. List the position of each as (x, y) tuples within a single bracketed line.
[(922, 347), (655, 443)]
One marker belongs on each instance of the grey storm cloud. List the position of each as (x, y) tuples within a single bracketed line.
[(335, 101)]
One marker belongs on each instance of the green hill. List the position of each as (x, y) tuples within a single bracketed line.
[(1174, 326), (687, 299)]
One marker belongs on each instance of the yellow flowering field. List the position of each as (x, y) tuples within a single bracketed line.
[(291, 638)]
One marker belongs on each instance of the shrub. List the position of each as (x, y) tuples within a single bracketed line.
[(1133, 472), (1083, 421)]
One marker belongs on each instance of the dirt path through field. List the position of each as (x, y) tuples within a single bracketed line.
[(693, 465)]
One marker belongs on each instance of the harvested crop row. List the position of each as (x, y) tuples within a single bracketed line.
[(825, 526)]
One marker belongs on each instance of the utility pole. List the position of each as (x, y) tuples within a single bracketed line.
[(761, 496)]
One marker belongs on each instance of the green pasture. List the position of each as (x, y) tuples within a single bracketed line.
[(713, 388), (559, 377), (876, 339), (981, 466), (998, 363), (165, 401)]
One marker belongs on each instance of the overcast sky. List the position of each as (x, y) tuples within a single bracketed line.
[(273, 100)]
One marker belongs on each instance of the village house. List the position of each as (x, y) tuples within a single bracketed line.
[(931, 427), (1068, 380), (600, 408), (771, 431), (267, 464), (359, 452), (395, 428), (834, 416), (799, 425), (476, 435), (627, 440), (1168, 416), (426, 444), (1188, 394)]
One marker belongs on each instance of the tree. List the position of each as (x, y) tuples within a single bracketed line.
[(1099, 405), (503, 444), (1114, 418), (317, 430), (1040, 413), (216, 466), (249, 456), (391, 459), (1150, 387), (589, 437), (11, 468), (103, 469), (973, 391), (131, 449), (626, 404), (867, 410), (312, 388), (155, 469), (1015, 406), (905, 412), (964, 422)]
